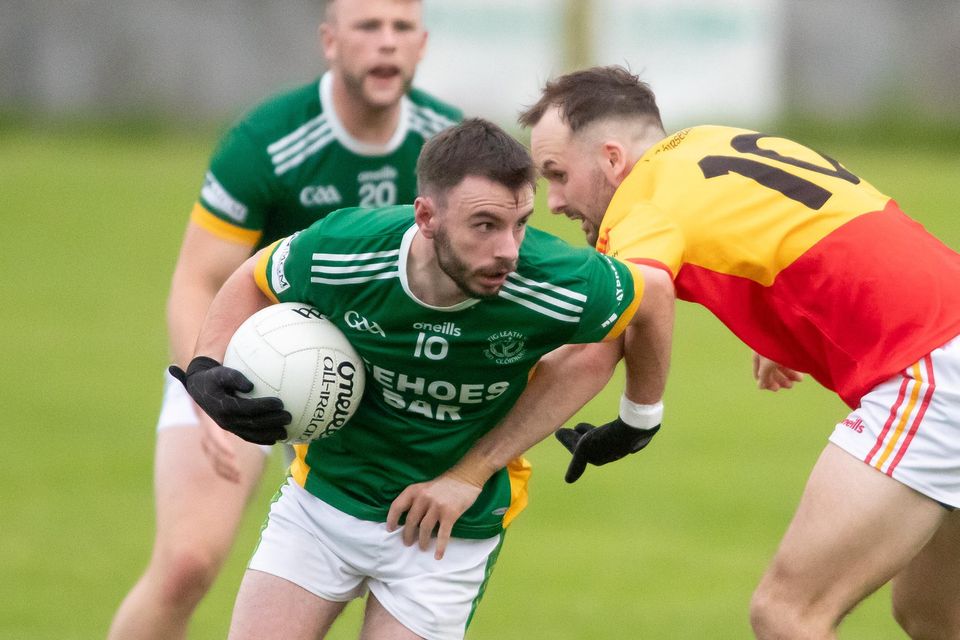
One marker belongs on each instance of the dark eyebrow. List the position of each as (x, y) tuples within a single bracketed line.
[(548, 165)]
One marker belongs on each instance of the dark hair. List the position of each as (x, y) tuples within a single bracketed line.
[(593, 94), (475, 147)]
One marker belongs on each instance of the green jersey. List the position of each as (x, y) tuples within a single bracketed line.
[(437, 378), (290, 162)]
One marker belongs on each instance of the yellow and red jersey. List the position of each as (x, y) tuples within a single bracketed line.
[(807, 263)]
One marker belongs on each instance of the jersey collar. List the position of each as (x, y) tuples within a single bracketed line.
[(349, 142), (404, 255)]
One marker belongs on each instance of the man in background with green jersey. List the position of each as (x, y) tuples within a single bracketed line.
[(349, 139), (459, 271)]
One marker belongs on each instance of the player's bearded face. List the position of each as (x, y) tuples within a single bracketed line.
[(587, 202), (472, 281), (375, 45)]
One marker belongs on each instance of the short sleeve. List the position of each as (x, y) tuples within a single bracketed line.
[(614, 290), (645, 235), (238, 188), (283, 271)]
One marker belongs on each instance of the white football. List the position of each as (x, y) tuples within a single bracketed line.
[(291, 351)]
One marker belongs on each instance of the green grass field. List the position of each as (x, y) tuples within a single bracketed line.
[(665, 545)]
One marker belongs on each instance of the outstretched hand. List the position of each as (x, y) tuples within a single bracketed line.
[(772, 376), (600, 445), (434, 505)]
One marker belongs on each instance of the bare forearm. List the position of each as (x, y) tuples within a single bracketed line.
[(237, 300), (648, 340), (186, 309), (563, 382)]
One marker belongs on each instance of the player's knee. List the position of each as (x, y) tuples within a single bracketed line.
[(925, 623), (775, 615), (185, 576), (767, 614)]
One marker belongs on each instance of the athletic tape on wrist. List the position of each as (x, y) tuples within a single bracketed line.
[(640, 416)]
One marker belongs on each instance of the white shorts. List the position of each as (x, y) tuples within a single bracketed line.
[(338, 557), (178, 409), (909, 426)]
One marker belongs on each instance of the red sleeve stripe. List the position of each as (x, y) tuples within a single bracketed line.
[(656, 264)]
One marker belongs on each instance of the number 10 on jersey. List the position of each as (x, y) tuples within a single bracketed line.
[(431, 347)]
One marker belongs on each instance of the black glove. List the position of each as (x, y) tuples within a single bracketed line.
[(213, 387), (600, 445)]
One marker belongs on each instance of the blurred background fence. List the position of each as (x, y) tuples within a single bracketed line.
[(736, 61)]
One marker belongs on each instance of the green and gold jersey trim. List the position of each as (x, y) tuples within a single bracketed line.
[(203, 218), (260, 271), (638, 287)]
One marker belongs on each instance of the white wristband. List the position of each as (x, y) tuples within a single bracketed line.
[(640, 416)]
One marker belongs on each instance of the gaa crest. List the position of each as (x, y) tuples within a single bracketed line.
[(505, 347)]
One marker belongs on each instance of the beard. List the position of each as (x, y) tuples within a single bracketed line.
[(591, 215), (459, 271), (355, 86)]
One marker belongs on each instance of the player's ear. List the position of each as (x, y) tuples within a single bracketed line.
[(423, 46), (614, 162), (327, 40), (425, 215)]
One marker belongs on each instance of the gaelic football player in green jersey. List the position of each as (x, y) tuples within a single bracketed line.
[(451, 303), (349, 139)]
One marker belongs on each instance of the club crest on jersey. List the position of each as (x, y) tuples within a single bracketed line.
[(506, 347)]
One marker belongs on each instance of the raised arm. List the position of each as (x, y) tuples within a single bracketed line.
[(647, 347)]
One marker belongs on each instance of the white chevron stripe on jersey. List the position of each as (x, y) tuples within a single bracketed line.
[(354, 268), (296, 134), (297, 147), (379, 276), (430, 115), (538, 308), (349, 257), (542, 297), (424, 128), (428, 122), (382, 265), (298, 159), (548, 286)]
